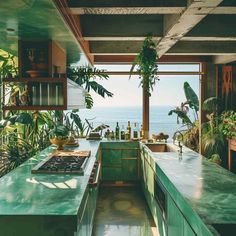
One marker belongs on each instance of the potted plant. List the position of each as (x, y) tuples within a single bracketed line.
[(59, 136), (146, 62)]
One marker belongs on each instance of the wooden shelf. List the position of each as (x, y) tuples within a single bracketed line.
[(32, 80), (36, 107)]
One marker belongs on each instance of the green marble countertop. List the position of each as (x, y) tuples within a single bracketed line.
[(207, 188), (23, 193)]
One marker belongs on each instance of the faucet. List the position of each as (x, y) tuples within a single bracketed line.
[(179, 143)]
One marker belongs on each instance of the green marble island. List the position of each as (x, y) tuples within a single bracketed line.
[(199, 196), (43, 204), (202, 192)]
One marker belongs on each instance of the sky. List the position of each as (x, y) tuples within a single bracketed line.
[(168, 91)]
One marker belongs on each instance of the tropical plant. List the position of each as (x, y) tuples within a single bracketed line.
[(59, 132), (229, 124), (74, 123), (146, 62), (86, 77), (213, 139)]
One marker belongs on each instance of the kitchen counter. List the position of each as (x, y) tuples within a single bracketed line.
[(23, 193), (199, 187), (204, 192)]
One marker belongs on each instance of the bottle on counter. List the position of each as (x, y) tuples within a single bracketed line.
[(141, 132), (135, 131), (117, 131), (112, 135), (122, 133), (128, 131)]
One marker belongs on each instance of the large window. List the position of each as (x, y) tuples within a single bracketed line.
[(126, 104)]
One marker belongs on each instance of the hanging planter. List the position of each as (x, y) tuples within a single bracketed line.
[(146, 62)]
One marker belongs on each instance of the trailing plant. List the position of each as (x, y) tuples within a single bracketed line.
[(86, 77), (146, 62)]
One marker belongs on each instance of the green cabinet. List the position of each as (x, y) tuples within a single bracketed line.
[(87, 213), (175, 219), (188, 230), (120, 163)]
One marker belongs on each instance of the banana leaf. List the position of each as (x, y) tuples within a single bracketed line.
[(191, 97)]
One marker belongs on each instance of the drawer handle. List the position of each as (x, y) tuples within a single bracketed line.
[(95, 183)]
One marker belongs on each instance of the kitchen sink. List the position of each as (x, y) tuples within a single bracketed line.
[(158, 147)]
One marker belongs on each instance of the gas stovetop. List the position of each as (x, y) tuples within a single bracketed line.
[(63, 163)]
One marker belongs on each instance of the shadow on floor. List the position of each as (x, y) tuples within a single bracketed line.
[(122, 211)]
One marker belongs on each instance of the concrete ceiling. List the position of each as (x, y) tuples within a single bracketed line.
[(180, 27)]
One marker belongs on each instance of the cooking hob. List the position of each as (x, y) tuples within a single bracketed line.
[(63, 163)]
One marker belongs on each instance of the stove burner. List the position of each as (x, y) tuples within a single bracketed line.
[(58, 164)]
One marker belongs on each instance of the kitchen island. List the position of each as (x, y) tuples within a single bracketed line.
[(186, 194), (44, 204)]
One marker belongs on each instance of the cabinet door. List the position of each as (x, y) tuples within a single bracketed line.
[(130, 169), (83, 227), (188, 230), (175, 219)]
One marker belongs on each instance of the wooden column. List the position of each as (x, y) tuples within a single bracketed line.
[(145, 114)]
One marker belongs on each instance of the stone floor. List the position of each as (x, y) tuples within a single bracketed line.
[(123, 212)]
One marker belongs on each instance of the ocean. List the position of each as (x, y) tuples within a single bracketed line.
[(160, 121)]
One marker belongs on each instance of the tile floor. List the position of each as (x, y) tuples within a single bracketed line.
[(122, 211)]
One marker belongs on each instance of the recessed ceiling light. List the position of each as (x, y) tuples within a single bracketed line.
[(10, 30)]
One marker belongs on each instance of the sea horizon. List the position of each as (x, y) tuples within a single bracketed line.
[(160, 121)]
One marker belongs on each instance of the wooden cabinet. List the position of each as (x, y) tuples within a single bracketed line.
[(41, 83), (231, 148)]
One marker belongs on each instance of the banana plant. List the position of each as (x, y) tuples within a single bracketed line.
[(86, 77)]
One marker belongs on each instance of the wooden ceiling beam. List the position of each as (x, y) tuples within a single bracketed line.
[(125, 3), (128, 59), (145, 10), (74, 24), (176, 26), (203, 48), (125, 10)]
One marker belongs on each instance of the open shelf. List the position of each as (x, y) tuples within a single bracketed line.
[(32, 80), (38, 107)]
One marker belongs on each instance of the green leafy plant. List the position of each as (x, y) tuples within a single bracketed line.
[(59, 132), (229, 124), (213, 139), (146, 62), (86, 77)]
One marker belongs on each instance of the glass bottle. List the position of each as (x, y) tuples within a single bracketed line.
[(129, 130), (117, 131), (135, 131), (122, 133), (141, 132)]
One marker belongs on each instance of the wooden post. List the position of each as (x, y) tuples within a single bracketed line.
[(145, 114)]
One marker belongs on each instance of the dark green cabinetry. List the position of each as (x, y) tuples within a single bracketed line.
[(175, 219), (120, 161), (87, 213)]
